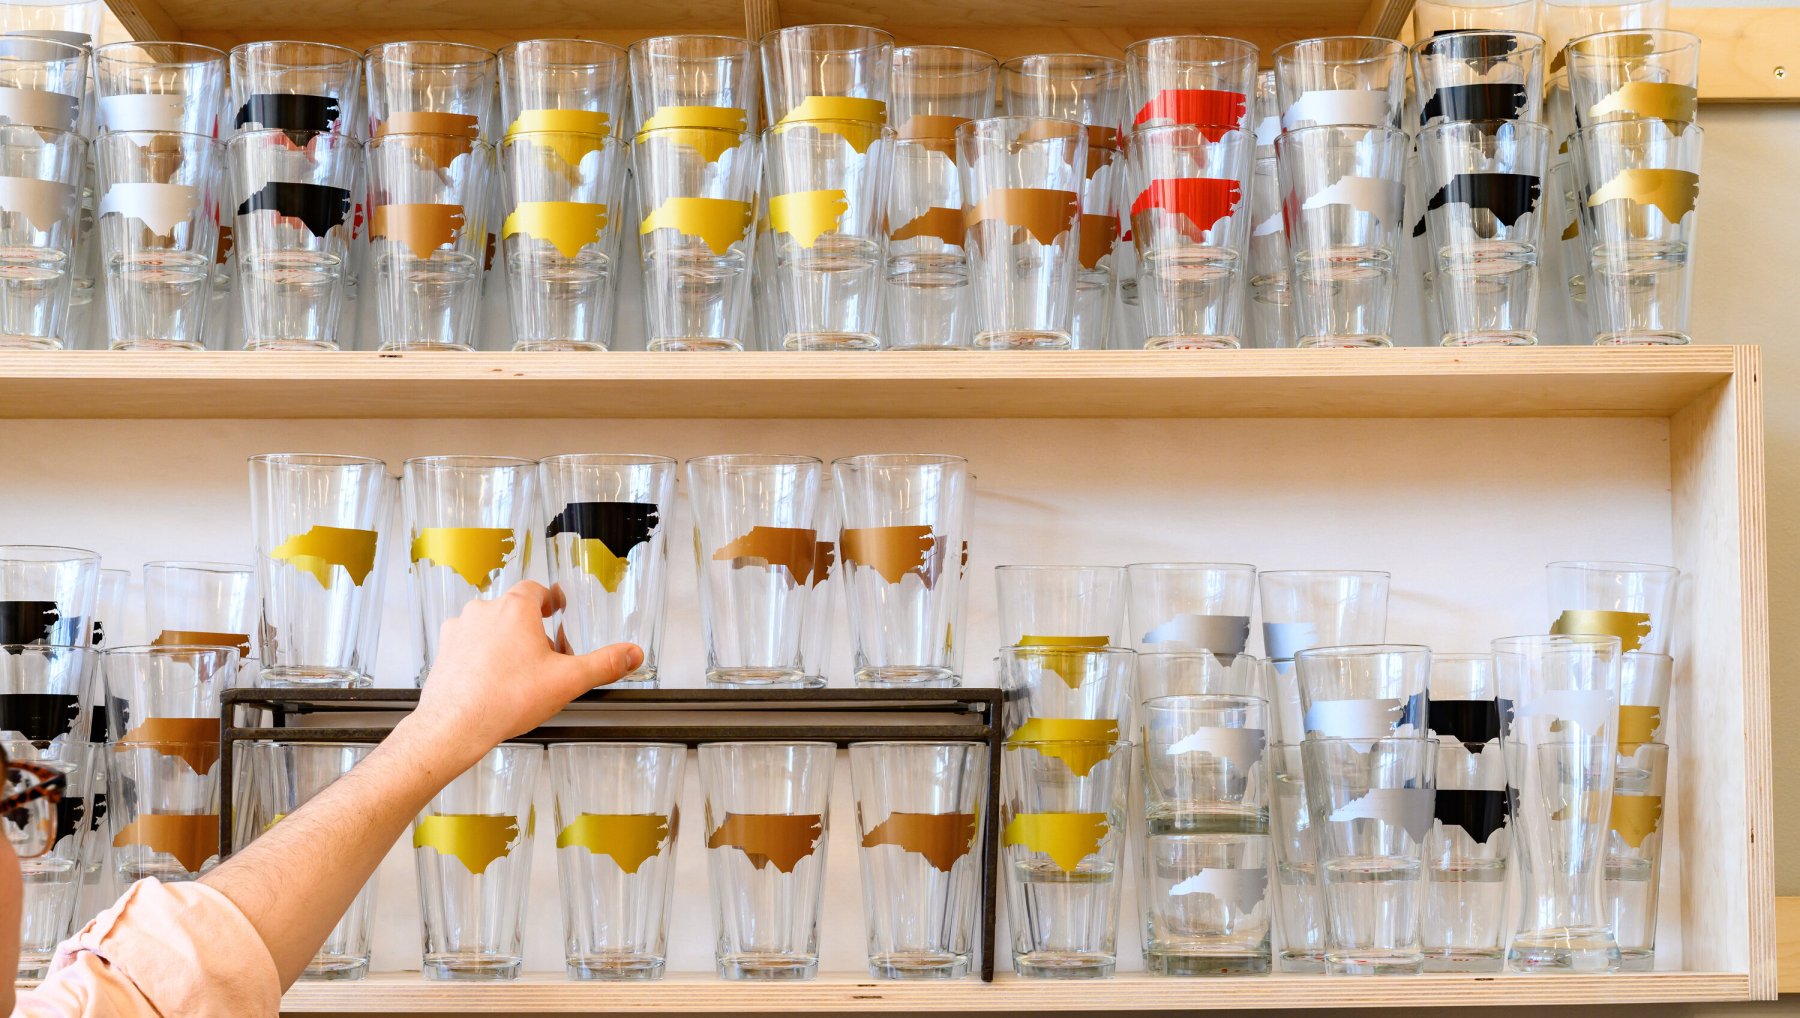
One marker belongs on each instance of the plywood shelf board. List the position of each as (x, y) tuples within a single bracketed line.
[(1548, 382)]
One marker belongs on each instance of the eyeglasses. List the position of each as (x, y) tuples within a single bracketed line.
[(30, 812)]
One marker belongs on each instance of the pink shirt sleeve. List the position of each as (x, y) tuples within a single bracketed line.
[(162, 950)]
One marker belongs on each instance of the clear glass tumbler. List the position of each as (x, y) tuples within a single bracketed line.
[(1640, 182), (616, 821), (697, 190), (1634, 601), (1634, 74), (208, 604), (936, 89), (1022, 179), (1367, 691), (754, 531), (1441, 17), (159, 234), (564, 86), (1321, 608), (1561, 744), (1464, 916), (48, 594), (317, 520), (1074, 696), (1299, 903), (159, 86), (1479, 76), (162, 707), (431, 88), (564, 193), (1191, 225), (272, 780), (1198, 80), (1191, 605), (766, 827), (428, 197), (1271, 306), (77, 22), (1634, 844), (42, 173), (1643, 697), (919, 808), (695, 81), (1063, 849), (607, 550), (1061, 605), (904, 527), (472, 854), (469, 521), (1344, 190), (51, 881), (828, 73), (1372, 804), (296, 86), (1341, 81), (1566, 20), (296, 194), (1484, 221), (1190, 672)]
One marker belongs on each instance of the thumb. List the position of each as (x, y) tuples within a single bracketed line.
[(600, 667)]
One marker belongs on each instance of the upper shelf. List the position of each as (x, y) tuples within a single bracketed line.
[(1536, 382)]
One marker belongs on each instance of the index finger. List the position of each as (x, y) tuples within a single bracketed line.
[(537, 594)]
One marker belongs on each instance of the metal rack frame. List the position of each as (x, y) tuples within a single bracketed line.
[(897, 715)]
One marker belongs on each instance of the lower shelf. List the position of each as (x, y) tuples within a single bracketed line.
[(408, 992)]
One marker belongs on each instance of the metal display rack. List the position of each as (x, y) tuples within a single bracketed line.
[(690, 717)]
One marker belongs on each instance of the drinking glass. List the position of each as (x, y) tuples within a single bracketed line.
[(1367, 691), (1643, 698), (616, 822), (1190, 672), (273, 779), (1089, 90), (76, 22), (564, 86), (1372, 806), (1022, 179), (1321, 608), (694, 81), (1640, 182), (295, 86), (472, 854), (1567, 20), (754, 520), (827, 73), (427, 227), (697, 191), (110, 607), (205, 604), (1463, 702), (1063, 846), (317, 520), (162, 708), (1082, 605), (442, 88), (608, 551), (1344, 191), (47, 594), (564, 193), (1649, 74), (1341, 81), (469, 519), (295, 193), (159, 234), (1484, 221), (935, 90), (1271, 305), (42, 82), (1206, 843), (766, 835), (1299, 903), (1192, 242), (1433, 18), (45, 692), (1463, 916), (918, 819), (1634, 852), (160, 86), (1191, 605), (1633, 601), (904, 525), (51, 881), (1202, 81), (1480, 76), (1561, 744), (1074, 697), (42, 172)]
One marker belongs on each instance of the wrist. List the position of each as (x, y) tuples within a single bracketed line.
[(434, 747)]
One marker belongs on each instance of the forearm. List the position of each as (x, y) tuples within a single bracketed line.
[(296, 880)]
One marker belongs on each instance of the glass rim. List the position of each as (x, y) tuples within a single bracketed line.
[(651, 132), (1362, 650), (350, 56), (259, 133), (744, 46), (1198, 654), (973, 742), (65, 553), (200, 565), (1668, 658), (1486, 127), (1110, 66), (1551, 641), (1358, 573), (1034, 743), (1243, 699), (610, 140), (916, 459), (74, 52), (1615, 565), (171, 650), (100, 53), (974, 62), (603, 458), (317, 459), (1680, 41), (1160, 566), (15, 648), (1030, 567), (786, 743), (973, 126), (1420, 47), (510, 51), (1351, 740), (1033, 649), (781, 127), (795, 31), (208, 139), (262, 744), (753, 459), (1244, 46), (1160, 130), (1312, 131), (554, 747), (1615, 127), (1318, 42), (479, 54), (474, 143), (63, 137), (463, 461)]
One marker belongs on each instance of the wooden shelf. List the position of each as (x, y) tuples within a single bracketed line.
[(1539, 382), (401, 993)]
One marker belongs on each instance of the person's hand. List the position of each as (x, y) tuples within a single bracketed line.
[(497, 675)]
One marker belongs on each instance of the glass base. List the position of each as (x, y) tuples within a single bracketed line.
[(766, 966), (1458, 959), (156, 344), (471, 967), (614, 966), (336, 968), (643, 678), (414, 346), (1669, 338), (908, 345), (1576, 949), (290, 676), (1636, 959), (34, 965), (1490, 339), (1064, 965), (1373, 963), (1022, 339), (1174, 963), (831, 341), (1352, 341), (919, 965), (762, 678), (689, 344), (1303, 962), (300, 345), (557, 346), (914, 676), (164, 870), (12, 341), (1192, 343)]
